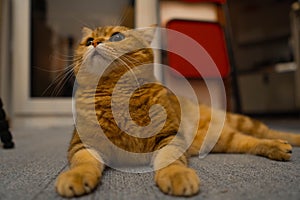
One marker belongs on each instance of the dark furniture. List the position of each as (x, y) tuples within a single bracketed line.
[(5, 135)]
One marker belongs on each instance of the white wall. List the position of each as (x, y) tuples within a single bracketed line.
[(5, 68)]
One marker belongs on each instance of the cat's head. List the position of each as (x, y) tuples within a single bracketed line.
[(110, 46)]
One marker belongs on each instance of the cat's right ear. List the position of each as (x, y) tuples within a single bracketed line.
[(86, 31), (148, 33)]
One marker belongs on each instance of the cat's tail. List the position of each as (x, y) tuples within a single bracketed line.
[(258, 129)]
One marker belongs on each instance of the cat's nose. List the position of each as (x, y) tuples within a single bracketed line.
[(95, 43)]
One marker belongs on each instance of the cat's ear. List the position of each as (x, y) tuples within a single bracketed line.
[(86, 31), (148, 33)]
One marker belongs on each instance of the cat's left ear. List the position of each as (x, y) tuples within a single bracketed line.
[(148, 33), (86, 31)]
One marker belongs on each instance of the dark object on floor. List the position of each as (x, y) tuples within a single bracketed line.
[(5, 135)]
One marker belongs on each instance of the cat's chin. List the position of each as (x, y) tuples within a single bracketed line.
[(95, 64)]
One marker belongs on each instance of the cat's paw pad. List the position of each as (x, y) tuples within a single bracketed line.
[(76, 182), (279, 150), (178, 180)]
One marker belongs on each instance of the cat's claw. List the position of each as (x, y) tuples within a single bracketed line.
[(178, 180)]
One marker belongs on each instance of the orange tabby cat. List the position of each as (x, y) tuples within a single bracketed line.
[(112, 52)]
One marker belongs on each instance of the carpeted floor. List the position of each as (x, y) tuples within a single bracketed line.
[(29, 172)]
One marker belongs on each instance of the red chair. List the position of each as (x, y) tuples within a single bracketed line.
[(209, 32), (211, 37)]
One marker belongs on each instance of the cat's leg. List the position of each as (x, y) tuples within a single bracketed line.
[(84, 173), (172, 175), (258, 129), (232, 141)]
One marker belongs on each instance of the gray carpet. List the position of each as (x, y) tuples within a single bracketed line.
[(29, 172)]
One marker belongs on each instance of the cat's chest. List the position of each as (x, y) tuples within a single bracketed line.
[(124, 107)]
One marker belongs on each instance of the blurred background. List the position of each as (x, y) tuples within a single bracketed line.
[(255, 45)]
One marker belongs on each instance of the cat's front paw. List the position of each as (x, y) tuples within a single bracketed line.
[(76, 182), (178, 180), (279, 150)]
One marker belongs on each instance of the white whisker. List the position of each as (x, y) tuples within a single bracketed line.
[(59, 79)]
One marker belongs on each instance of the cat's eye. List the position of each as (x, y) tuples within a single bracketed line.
[(117, 37), (89, 41)]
